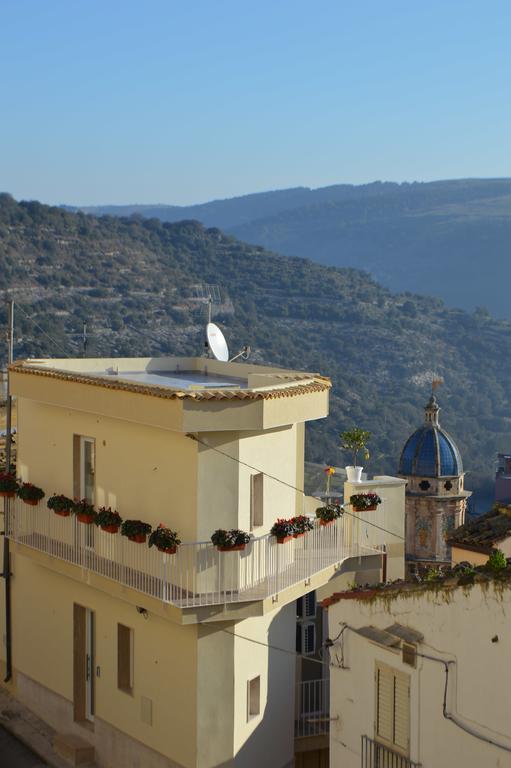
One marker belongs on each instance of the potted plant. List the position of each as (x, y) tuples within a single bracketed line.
[(164, 539), (136, 530), (365, 502), (60, 504), (30, 493), (328, 514), (301, 524), (84, 511), (8, 484), (355, 441), (107, 520), (283, 530), (230, 541)]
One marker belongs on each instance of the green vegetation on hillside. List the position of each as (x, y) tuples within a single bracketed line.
[(134, 282)]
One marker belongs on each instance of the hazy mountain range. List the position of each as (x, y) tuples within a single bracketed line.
[(450, 239), (137, 284)]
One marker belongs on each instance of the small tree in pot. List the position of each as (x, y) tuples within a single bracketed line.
[(355, 441)]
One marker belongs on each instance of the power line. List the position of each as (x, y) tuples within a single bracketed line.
[(288, 485), (273, 647), (61, 349)]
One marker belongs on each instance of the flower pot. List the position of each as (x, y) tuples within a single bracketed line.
[(167, 550), (325, 522), (31, 502), (366, 509), (283, 539), (111, 528), (298, 535), (354, 474), (62, 512), (236, 548), (82, 517), (139, 538), (8, 494)]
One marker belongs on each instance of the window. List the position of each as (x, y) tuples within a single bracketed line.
[(308, 639), (256, 500), (254, 697), (84, 467), (124, 658), (392, 721), (309, 605)]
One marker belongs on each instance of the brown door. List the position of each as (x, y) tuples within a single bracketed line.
[(83, 663)]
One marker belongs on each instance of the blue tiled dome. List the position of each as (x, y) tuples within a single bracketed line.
[(430, 451)]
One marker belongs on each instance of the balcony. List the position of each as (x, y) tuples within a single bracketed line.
[(375, 755), (198, 574), (312, 708)]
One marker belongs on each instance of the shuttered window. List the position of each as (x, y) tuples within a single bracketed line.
[(392, 722), (308, 639), (310, 606)]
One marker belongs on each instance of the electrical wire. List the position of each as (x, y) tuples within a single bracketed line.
[(61, 349), (288, 485), (273, 647)]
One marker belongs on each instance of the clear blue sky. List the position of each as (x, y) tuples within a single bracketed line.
[(116, 101)]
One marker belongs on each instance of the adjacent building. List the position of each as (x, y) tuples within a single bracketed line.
[(184, 660), (477, 539)]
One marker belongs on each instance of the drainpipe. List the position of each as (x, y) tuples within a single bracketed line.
[(7, 557)]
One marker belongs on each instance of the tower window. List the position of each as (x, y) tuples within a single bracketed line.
[(424, 485), (448, 485)]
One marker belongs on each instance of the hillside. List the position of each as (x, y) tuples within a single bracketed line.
[(431, 238), (135, 283)]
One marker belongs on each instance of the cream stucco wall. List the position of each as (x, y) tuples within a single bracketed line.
[(460, 555), (458, 626)]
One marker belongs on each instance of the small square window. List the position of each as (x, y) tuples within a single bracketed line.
[(254, 697)]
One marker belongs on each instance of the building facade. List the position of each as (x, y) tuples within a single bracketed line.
[(184, 660), (436, 498)]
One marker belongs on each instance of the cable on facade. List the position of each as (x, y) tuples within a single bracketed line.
[(273, 647), (447, 664), (288, 485)]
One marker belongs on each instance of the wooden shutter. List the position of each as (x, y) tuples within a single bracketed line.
[(308, 639), (392, 722), (310, 605)]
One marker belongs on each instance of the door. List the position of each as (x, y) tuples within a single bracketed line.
[(87, 469), (83, 663)]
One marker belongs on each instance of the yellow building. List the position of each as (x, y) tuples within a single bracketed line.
[(175, 660)]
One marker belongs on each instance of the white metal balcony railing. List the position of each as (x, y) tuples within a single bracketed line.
[(312, 708), (375, 755), (198, 574)]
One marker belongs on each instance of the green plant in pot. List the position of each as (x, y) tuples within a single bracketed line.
[(108, 520), (136, 530), (8, 484), (328, 514), (84, 511), (282, 530), (30, 493), (301, 524), (60, 504), (354, 441), (365, 502), (164, 539), (230, 541)]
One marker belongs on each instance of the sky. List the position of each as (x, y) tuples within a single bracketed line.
[(160, 101)]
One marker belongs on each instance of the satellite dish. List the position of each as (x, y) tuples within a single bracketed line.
[(217, 342)]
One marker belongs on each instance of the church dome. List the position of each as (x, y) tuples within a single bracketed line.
[(430, 451)]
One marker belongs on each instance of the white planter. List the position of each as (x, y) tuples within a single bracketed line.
[(354, 474)]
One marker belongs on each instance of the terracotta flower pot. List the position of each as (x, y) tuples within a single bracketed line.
[(111, 528), (298, 535), (62, 512), (8, 494), (82, 517), (372, 508), (236, 548), (31, 502), (168, 550), (325, 522), (283, 539), (139, 538)]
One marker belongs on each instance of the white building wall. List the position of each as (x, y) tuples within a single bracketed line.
[(457, 626)]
